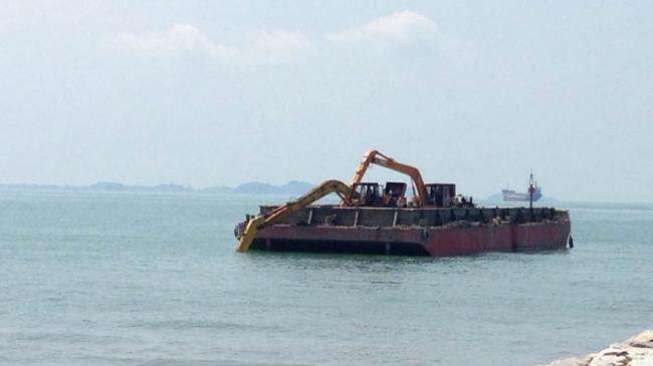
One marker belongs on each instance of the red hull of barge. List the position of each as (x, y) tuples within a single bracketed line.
[(435, 241)]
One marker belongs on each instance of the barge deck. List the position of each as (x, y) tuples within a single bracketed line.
[(418, 232), (377, 219)]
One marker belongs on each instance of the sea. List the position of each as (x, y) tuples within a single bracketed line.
[(151, 278)]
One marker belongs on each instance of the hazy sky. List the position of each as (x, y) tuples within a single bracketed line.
[(208, 92)]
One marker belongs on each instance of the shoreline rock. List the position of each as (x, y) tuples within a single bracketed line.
[(635, 351)]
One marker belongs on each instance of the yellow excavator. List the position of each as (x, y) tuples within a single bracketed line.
[(251, 226)]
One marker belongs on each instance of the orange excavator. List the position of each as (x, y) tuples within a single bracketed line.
[(424, 195), (393, 190)]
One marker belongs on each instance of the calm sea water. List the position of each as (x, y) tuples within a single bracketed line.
[(136, 278)]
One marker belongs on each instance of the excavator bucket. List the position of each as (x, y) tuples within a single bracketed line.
[(249, 234)]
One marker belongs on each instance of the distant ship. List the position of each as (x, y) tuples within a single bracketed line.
[(510, 195)]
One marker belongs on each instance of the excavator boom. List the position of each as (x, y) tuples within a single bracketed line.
[(375, 157), (253, 225)]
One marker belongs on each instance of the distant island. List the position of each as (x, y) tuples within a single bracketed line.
[(290, 188)]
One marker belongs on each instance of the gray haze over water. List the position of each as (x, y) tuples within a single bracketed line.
[(219, 93)]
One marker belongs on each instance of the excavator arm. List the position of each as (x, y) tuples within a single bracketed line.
[(253, 225), (375, 157)]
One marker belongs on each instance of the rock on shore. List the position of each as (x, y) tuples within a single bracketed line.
[(636, 351)]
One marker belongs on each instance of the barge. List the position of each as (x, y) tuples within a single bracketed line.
[(377, 219)]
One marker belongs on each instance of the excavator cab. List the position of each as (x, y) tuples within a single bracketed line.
[(440, 194), (368, 194), (394, 194)]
